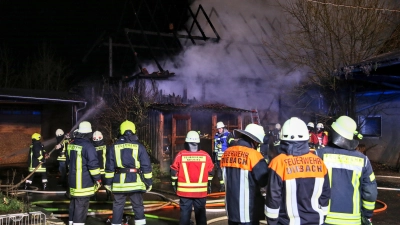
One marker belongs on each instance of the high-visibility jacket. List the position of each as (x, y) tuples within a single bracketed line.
[(192, 171), (221, 142), (244, 172), (62, 156), (101, 155), (322, 138), (298, 187), (354, 189), (313, 139), (128, 167), (83, 167), (36, 155)]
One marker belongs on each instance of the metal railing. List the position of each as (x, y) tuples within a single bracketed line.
[(31, 218)]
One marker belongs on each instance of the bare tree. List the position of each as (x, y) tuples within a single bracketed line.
[(323, 36)]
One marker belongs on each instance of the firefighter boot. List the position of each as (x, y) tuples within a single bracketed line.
[(222, 188)]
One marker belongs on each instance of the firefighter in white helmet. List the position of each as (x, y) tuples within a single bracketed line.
[(353, 183), (37, 155), (191, 170), (245, 172), (84, 173), (298, 184), (128, 173), (62, 143), (322, 135), (312, 137), (221, 143), (101, 149)]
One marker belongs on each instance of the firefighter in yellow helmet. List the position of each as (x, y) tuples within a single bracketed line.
[(191, 170), (348, 168), (84, 173), (128, 173), (37, 154)]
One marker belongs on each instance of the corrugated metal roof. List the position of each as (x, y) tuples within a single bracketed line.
[(215, 107), (25, 95)]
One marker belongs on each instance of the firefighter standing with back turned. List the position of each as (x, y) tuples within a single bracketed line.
[(62, 144), (101, 150), (354, 189), (128, 173), (298, 184), (191, 171), (245, 172), (37, 154), (221, 142), (84, 173)]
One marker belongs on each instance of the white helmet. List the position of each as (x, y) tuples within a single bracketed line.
[(59, 132), (294, 129), (192, 136), (310, 124), (320, 125), (220, 125), (253, 131), (278, 126), (85, 127), (97, 136)]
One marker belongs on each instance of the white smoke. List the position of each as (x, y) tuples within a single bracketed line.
[(238, 70)]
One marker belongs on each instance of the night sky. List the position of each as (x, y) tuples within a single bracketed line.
[(69, 27)]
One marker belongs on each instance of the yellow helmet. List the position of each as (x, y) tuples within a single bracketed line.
[(127, 125), (36, 136), (345, 127)]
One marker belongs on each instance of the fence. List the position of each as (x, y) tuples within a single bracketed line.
[(31, 218)]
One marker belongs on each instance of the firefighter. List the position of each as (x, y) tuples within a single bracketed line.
[(245, 172), (191, 172), (354, 188), (322, 135), (62, 143), (101, 150), (84, 173), (37, 154), (313, 139), (221, 142), (298, 184), (128, 173), (274, 141)]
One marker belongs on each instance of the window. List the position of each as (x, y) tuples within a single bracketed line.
[(370, 126)]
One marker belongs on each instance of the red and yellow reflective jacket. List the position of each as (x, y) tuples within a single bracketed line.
[(192, 171)]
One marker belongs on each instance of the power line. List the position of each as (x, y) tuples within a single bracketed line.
[(353, 7)]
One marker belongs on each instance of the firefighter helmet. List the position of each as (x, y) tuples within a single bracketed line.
[(36, 136), (220, 125), (278, 126), (192, 136), (59, 132), (310, 124), (320, 126), (97, 136), (345, 127), (127, 125), (294, 129), (253, 131), (85, 127)]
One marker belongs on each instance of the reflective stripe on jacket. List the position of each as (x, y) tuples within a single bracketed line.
[(36, 155), (101, 155), (83, 166), (244, 172), (354, 189), (61, 157), (130, 155), (221, 142), (192, 170)]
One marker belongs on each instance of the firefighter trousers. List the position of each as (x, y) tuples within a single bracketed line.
[(136, 199), (78, 209), (199, 205)]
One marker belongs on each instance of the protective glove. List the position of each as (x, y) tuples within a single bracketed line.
[(366, 221), (107, 187), (97, 185), (148, 189), (219, 146), (174, 185)]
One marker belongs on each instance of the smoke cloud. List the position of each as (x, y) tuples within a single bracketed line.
[(238, 70)]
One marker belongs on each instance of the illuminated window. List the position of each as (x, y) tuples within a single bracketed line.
[(370, 126)]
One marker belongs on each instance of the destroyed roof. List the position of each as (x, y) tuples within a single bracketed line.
[(28, 95), (214, 107)]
